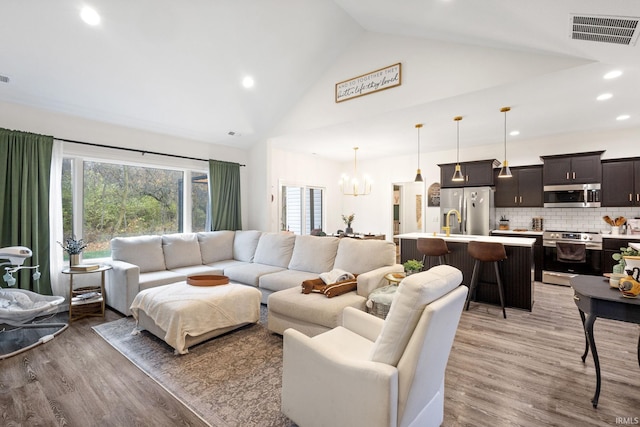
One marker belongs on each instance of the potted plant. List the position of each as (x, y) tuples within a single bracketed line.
[(412, 266), (504, 223), (348, 220), (74, 249), (624, 251)]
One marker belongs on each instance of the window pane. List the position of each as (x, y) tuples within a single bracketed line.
[(302, 209), (67, 198), (292, 206), (199, 201), (314, 209), (122, 200)]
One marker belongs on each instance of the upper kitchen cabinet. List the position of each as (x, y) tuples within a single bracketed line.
[(523, 189), (621, 182), (476, 174), (582, 168)]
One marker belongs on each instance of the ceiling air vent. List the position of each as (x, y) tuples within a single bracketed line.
[(605, 29), (4, 79)]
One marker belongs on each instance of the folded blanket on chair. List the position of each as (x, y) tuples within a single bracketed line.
[(336, 275)]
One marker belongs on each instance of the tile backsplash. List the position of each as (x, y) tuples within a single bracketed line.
[(565, 219)]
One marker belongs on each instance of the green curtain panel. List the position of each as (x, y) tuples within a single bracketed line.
[(224, 188), (25, 166)]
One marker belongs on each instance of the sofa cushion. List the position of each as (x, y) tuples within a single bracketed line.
[(314, 254), (181, 250), (359, 256), (143, 251), (414, 293), (158, 278), (216, 245), (275, 249), (249, 274), (314, 308), (244, 244), (284, 279)]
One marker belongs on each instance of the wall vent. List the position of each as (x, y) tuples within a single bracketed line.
[(4, 79), (606, 29)]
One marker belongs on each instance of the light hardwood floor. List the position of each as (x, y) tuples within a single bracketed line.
[(522, 371), (78, 379)]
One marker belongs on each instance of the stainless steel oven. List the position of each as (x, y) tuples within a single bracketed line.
[(569, 253)]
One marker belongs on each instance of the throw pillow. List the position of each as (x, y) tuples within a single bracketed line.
[(340, 288)]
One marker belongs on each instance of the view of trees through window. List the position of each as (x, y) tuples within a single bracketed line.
[(126, 200)]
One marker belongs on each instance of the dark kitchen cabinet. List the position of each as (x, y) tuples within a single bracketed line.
[(581, 168), (538, 249), (612, 246), (476, 174), (523, 189), (621, 182)]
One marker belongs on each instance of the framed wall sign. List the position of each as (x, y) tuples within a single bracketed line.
[(384, 78)]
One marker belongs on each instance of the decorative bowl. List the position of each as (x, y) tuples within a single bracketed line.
[(207, 280)]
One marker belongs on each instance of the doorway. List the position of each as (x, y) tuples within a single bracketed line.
[(408, 208)]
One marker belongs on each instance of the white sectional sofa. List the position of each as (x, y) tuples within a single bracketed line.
[(269, 261)]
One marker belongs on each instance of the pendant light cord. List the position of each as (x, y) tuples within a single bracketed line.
[(458, 141), (505, 135)]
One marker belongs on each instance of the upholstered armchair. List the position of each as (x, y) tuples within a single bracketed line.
[(374, 372)]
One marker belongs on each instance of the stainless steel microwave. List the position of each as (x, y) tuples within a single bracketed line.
[(572, 196)]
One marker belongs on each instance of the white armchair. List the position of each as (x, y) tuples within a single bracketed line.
[(374, 372)]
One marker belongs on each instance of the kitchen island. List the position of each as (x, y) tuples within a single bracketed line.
[(517, 270)]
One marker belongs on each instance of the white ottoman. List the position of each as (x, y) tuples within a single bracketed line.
[(184, 315)]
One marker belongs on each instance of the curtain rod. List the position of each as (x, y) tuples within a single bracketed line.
[(143, 152)]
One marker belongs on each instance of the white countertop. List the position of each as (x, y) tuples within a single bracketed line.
[(537, 233), (464, 238), (622, 236)]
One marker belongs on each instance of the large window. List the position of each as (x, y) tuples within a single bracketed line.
[(105, 200), (302, 209)]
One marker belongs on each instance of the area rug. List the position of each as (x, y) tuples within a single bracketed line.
[(230, 380)]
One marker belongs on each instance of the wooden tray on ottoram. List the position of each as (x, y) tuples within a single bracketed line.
[(207, 280)]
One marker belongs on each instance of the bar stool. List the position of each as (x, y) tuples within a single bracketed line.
[(486, 252), (428, 246)]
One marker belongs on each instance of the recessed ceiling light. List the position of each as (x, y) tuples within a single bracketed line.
[(612, 74), (248, 82), (514, 133), (604, 96), (90, 16), (622, 117)]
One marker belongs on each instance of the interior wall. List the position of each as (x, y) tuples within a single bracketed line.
[(299, 169), (431, 71)]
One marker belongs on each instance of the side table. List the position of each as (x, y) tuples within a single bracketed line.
[(79, 308), (395, 278)]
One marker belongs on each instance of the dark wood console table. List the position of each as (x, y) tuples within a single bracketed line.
[(595, 298)]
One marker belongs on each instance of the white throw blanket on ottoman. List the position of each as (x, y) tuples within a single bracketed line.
[(181, 309)]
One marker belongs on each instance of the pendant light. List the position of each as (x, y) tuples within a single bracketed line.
[(418, 172), (457, 175), (351, 186), (505, 172)]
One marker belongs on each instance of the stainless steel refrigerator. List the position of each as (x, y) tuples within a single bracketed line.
[(476, 207)]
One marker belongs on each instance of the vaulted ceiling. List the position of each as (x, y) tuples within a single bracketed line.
[(177, 68)]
